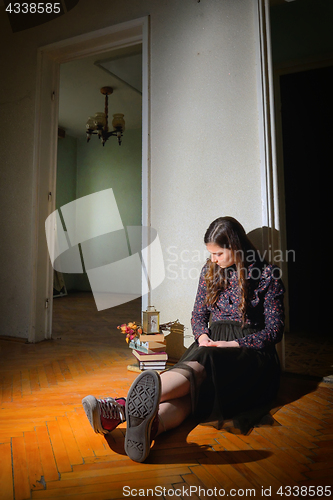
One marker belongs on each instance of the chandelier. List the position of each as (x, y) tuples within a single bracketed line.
[(98, 124)]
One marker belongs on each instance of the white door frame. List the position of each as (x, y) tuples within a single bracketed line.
[(270, 139), (265, 92), (45, 149), (271, 202), (279, 70)]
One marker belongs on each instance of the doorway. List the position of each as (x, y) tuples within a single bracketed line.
[(86, 168), (307, 130), (50, 59)]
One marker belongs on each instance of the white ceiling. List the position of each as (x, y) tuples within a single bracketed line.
[(81, 81)]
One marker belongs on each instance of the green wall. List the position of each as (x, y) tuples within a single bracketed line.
[(66, 171), (113, 166), (301, 29), (86, 168)]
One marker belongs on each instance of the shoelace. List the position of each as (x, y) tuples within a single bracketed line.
[(111, 409)]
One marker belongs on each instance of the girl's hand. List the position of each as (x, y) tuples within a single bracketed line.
[(204, 340), (223, 343)]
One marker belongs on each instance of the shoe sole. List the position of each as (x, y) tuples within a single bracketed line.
[(91, 407), (141, 404)]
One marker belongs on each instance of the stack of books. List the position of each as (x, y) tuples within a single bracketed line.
[(149, 351)]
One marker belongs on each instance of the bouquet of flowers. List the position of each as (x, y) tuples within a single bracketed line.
[(131, 330)]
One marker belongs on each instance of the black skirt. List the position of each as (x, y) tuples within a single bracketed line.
[(240, 384)]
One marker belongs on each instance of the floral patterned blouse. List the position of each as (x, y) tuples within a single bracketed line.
[(265, 311)]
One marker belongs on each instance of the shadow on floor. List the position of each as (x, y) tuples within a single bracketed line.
[(293, 386), (309, 354), (173, 447)]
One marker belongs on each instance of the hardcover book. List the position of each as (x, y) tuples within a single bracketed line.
[(157, 356), (152, 366), (152, 337)]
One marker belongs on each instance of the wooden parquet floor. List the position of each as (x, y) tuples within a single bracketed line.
[(49, 451)]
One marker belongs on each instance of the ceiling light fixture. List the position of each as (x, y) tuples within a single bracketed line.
[(98, 124)]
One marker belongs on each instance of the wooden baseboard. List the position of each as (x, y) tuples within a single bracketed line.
[(14, 339)]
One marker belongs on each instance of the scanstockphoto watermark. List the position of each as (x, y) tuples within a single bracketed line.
[(122, 263), (88, 236), (186, 264), (261, 492), (187, 491)]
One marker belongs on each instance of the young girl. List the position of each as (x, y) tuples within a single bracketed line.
[(231, 371)]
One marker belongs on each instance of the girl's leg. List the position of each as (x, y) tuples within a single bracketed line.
[(106, 414), (175, 401), (174, 385), (173, 412)]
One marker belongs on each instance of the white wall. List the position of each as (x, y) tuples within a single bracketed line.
[(204, 133), (205, 159)]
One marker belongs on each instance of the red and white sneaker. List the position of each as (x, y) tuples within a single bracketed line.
[(106, 414), (142, 414)]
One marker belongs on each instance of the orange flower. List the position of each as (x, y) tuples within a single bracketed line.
[(131, 330), (122, 328)]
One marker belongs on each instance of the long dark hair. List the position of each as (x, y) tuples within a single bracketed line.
[(227, 232)]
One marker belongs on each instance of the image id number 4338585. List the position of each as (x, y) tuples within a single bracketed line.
[(34, 8), (304, 491)]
